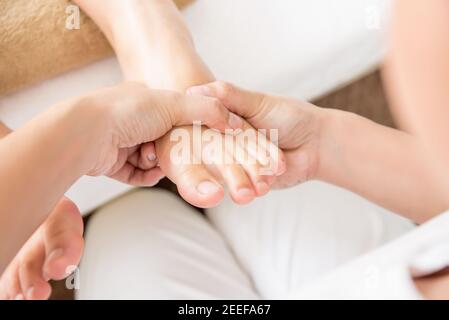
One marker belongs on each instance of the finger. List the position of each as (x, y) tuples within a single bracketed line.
[(134, 176), (261, 182), (257, 108), (144, 157), (242, 102), (148, 156), (255, 144), (63, 239), (208, 111), (272, 158)]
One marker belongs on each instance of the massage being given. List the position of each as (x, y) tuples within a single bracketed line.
[(124, 132)]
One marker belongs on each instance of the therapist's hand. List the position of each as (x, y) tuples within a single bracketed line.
[(131, 117), (299, 125)]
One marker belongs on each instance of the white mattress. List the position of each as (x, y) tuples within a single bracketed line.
[(292, 47)]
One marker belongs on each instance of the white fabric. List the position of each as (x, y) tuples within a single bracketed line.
[(387, 273), (301, 233), (300, 48), (150, 245)]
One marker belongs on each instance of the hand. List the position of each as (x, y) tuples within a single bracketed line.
[(135, 117), (298, 123), (166, 58), (247, 167), (53, 249)]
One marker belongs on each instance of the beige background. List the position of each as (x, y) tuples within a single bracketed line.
[(35, 43)]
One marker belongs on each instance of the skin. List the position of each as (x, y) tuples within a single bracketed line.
[(97, 134), (162, 54), (28, 274), (55, 246), (403, 171), (418, 75), (322, 145)]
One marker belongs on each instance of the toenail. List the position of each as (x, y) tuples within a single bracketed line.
[(30, 293), (55, 254), (19, 297), (263, 187), (207, 187), (245, 192)]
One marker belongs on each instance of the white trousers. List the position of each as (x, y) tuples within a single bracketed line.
[(149, 244)]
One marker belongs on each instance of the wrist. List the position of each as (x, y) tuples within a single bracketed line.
[(331, 131), (87, 123)]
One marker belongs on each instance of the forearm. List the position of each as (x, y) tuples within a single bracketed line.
[(384, 165), (39, 163)]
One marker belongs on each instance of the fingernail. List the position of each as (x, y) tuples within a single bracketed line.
[(200, 91), (19, 297), (30, 293), (245, 192), (263, 187), (235, 122), (152, 157), (207, 187)]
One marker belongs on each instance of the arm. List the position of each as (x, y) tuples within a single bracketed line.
[(386, 166), (417, 74), (38, 164), (154, 46), (98, 134)]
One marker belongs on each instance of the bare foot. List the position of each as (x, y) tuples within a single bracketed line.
[(154, 46), (247, 168), (56, 246)]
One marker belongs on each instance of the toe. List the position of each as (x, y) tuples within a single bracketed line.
[(198, 186), (63, 238)]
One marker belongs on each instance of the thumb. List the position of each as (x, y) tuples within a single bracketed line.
[(211, 112), (247, 104)]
